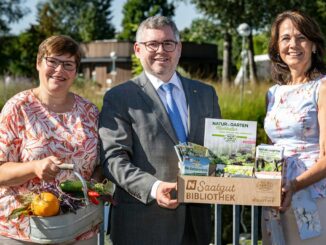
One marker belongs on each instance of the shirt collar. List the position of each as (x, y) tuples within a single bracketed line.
[(157, 82)]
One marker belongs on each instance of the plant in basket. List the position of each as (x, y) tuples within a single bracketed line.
[(95, 191), (54, 199)]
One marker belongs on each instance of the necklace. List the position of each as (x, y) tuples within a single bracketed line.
[(298, 82), (59, 109)]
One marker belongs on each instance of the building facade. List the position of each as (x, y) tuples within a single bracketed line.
[(109, 61)]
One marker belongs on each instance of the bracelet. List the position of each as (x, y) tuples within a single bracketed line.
[(293, 185)]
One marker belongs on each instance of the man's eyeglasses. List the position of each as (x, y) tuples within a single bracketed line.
[(54, 63), (153, 46)]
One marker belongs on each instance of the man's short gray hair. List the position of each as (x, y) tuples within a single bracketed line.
[(157, 22)]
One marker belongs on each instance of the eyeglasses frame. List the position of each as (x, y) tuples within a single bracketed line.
[(60, 62), (160, 44)]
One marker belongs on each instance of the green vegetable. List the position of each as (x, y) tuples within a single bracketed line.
[(105, 188), (72, 186)]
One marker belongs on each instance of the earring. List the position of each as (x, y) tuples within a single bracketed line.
[(314, 49)]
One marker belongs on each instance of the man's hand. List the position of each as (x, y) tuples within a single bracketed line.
[(163, 195)]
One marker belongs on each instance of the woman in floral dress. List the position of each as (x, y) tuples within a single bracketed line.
[(42, 128), (295, 120)]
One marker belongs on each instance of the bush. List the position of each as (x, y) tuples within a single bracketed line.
[(86, 88), (7, 91), (136, 65), (250, 106)]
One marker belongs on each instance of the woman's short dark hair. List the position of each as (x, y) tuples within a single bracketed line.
[(59, 45), (310, 29)]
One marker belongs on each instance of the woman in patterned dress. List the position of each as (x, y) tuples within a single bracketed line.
[(296, 120), (42, 128)]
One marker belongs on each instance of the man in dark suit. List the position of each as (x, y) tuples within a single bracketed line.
[(138, 134)]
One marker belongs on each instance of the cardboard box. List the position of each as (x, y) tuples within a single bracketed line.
[(235, 191)]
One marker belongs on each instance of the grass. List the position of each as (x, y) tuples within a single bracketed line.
[(6, 92), (249, 105), (88, 89)]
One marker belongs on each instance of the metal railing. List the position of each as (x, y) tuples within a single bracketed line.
[(236, 220), (104, 226)]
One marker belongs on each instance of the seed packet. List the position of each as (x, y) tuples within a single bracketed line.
[(269, 161), (195, 159), (233, 143)]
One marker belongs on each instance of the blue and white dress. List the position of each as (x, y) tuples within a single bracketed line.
[(292, 122)]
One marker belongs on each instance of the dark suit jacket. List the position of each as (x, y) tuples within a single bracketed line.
[(138, 149)]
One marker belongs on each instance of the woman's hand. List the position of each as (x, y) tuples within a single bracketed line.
[(322, 118), (322, 146), (287, 192), (46, 169)]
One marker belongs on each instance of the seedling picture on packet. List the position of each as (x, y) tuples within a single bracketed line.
[(195, 159), (269, 161), (233, 142)]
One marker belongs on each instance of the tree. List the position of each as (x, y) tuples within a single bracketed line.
[(6, 46), (48, 21), (19, 53), (10, 11), (231, 13), (82, 20), (135, 11), (202, 31), (100, 27)]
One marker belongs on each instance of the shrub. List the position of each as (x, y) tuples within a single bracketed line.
[(250, 106), (7, 91)]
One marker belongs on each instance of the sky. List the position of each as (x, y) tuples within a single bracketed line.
[(184, 14)]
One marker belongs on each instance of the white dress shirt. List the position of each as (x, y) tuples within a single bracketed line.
[(179, 98)]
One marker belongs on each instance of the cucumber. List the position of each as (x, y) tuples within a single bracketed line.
[(72, 186), (104, 188)]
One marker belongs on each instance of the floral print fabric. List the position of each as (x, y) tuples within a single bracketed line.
[(292, 122), (28, 131)]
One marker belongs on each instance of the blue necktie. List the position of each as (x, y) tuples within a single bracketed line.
[(174, 113)]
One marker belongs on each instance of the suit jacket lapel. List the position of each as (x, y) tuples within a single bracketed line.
[(153, 101), (191, 97)]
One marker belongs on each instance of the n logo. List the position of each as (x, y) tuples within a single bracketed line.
[(191, 185)]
